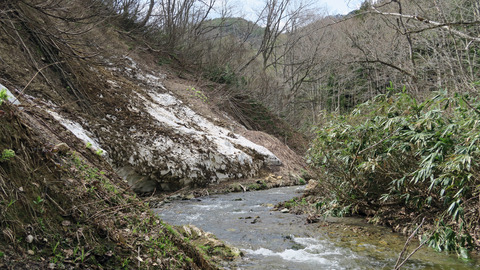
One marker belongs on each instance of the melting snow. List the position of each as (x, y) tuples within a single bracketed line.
[(77, 130), (170, 112)]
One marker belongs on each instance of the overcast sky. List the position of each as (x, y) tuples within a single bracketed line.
[(340, 6), (249, 8)]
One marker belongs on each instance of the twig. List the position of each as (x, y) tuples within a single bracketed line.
[(399, 262), (40, 70), (138, 258), (445, 26), (56, 204), (382, 140), (470, 105)]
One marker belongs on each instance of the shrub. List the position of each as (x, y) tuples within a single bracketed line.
[(301, 181), (394, 150)]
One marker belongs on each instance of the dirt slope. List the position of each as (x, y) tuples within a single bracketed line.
[(159, 132), (95, 106)]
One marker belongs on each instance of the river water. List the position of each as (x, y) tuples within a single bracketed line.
[(275, 240)]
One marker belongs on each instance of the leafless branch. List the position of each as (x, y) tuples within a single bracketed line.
[(401, 262)]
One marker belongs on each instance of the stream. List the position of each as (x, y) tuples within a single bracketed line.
[(275, 240)]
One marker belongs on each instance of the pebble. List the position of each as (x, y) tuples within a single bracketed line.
[(66, 223), (29, 238), (30, 252), (188, 197), (284, 210)]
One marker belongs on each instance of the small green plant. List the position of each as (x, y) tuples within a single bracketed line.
[(171, 229), (88, 145), (11, 203), (38, 200), (198, 94), (204, 248), (75, 251), (41, 223), (7, 154), (301, 181), (125, 262), (291, 203), (81, 256), (99, 152), (54, 249), (57, 254), (2, 254), (3, 95)]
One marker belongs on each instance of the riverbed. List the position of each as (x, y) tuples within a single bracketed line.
[(276, 240)]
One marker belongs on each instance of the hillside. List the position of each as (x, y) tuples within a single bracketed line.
[(96, 117), (239, 28)]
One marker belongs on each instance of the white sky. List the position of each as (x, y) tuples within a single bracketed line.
[(339, 6), (249, 8)]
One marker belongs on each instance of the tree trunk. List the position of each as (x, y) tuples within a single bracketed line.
[(149, 13)]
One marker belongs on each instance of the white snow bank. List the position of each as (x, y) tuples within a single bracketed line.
[(172, 113)]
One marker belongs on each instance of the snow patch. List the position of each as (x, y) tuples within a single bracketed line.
[(78, 131), (185, 121)]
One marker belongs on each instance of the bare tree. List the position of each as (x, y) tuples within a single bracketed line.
[(276, 17)]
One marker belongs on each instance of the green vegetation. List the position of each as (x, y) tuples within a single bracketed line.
[(301, 181), (332, 208), (3, 95), (224, 76), (197, 93), (414, 159), (259, 185), (7, 154), (295, 202)]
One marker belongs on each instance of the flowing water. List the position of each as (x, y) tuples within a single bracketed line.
[(275, 240)]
